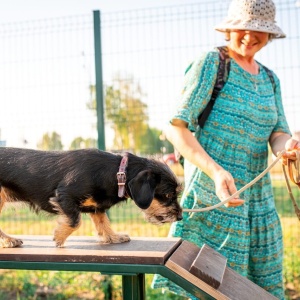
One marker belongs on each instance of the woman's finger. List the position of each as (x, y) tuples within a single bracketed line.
[(235, 202)]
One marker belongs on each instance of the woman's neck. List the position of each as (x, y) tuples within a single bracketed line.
[(247, 63)]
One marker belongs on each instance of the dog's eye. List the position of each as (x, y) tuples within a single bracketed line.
[(169, 196), (179, 188)]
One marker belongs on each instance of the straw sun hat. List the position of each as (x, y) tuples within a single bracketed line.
[(254, 15)]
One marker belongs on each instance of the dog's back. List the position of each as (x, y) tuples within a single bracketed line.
[(33, 176)]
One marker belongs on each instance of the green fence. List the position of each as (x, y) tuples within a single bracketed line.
[(48, 88)]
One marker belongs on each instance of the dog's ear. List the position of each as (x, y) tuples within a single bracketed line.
[(142, 188)]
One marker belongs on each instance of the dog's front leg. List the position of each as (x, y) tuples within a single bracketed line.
[(63, 230), (104, 229), (68, 221)]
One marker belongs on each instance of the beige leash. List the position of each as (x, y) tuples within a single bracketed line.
[(296, 165), (294, 175)]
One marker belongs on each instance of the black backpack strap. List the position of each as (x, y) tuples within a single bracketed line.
[(222, 75), (270, 74)]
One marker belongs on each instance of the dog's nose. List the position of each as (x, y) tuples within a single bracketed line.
[(179, 217)]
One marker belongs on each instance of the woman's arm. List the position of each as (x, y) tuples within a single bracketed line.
[(185, 142), (281, 138)]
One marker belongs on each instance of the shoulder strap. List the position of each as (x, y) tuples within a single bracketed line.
[(270, 74), (222, 75)]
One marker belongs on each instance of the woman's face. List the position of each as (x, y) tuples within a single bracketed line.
[(247, 43)]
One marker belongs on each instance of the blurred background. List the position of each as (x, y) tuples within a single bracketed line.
[(109, 78)]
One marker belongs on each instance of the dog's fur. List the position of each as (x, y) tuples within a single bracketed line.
[(68, 183)]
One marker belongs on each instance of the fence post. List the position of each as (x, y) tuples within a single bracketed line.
[(99, 80)]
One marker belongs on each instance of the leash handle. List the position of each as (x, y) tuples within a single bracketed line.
[(294, 169), (296, 180), (241, 190)]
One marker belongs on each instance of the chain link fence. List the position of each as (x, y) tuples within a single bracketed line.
[(48, 101)]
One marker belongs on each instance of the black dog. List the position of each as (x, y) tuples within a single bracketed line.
[(68, 183)]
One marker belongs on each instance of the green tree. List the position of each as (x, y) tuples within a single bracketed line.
[(50, 142), (153, 141), (79, 143), (125, 111)]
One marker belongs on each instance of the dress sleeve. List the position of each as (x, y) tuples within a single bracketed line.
[(281, 125), (198, 86)]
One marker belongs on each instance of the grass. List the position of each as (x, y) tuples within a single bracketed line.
[(282, 199), (54, 285), (291, 234), (29, 285)]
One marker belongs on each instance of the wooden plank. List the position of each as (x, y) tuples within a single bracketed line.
[(150, 251), (239, 287), (180, 263), (209, 266), (233, 286)]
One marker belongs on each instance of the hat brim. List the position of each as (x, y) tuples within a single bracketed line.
[(252, 25)]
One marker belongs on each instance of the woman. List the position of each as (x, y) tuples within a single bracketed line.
[(232, 149)]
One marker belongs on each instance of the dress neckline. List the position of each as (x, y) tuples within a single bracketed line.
[(246, 72)]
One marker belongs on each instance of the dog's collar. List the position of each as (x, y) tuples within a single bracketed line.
[(121, 176)]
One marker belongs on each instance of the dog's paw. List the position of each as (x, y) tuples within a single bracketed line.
[(59, 243), (115, 239), (10, 243)]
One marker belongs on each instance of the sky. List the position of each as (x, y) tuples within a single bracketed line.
[(24, 10), (17, 11)]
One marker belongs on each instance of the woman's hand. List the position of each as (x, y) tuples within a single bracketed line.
[(291, 146), (225, 187)]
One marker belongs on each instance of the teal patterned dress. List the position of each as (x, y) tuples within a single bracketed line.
[(235, 135)]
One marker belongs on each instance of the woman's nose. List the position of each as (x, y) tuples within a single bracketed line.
[(249, 35)]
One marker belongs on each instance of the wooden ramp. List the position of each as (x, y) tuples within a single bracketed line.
[(207, 270), (202, 272)]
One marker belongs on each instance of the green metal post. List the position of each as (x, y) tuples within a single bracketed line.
[(133, 287), (99, 80)]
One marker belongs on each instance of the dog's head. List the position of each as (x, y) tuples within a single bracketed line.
[(155, 190)]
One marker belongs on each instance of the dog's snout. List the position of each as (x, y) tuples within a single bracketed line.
[(179, 216)]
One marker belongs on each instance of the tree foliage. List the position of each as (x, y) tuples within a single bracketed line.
[(50, 142), (81, 143), (127, 114), (153, 141)]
